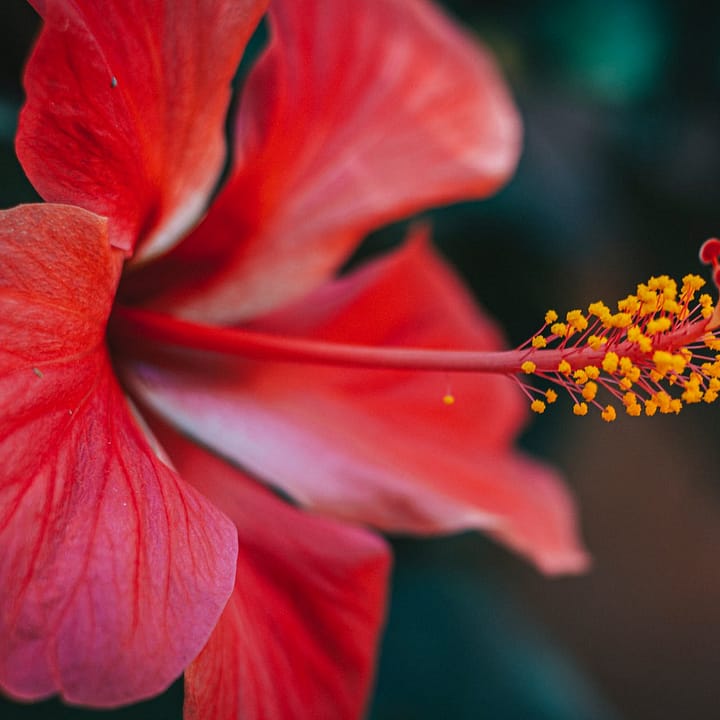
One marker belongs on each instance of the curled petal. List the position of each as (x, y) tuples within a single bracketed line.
[(299, 634), (359, 113), (113, 572), (126, 104)]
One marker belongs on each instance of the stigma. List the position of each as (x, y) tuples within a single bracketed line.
[(656, 351)]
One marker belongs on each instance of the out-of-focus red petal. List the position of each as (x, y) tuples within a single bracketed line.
[(358, 114), (298, 637), (126, 104), (113, 572), (376, 446)]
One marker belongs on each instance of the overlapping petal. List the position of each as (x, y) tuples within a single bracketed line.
[(359, 113), (298, 637), (113, 572), (376, 446), (126, 105)]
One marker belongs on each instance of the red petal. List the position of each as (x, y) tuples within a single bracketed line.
[(298, 637), (126, 109), (359, 113), (113, 573), (375, 446)]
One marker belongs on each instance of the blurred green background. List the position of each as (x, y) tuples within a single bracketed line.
[(619, 180)]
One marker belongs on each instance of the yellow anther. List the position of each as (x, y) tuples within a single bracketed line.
[(710, 396), (645, 344), (580, 409), (679, 363), (621, 320), (692, 393), (692, 283), (625, 384), (711, 341), (672, 307), (714, 385), (650, 407), (658, 325), (559, 329), (633, 410), (537, 406), (576, 320), (598, 309), (592, 372), (707, 312), (705, 300), (609, 414), (630, 304), (610, 362), (550, 317), (589, 391), (528, 367), (551, 396), (448, 399), (580, 377), (634, 333), (539, 342), (712, 370), (564, 367), (629, 398), (663, 361), (675, 406), (596, 341)]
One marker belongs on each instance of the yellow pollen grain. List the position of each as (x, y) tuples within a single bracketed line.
[(576, 320), (550, 317), (528, 367), (609, 414), (610, 362), (539, 342), (621, 320), (645, 344), (630, 304), (629, 398), (590, 391), (537, 406), (564, 367), (448, 399), (692, 283), (711, 341), (658, 325), (580, 409), (692, 394), (551, 396), (663, 361), (598, 309), (672, 307)]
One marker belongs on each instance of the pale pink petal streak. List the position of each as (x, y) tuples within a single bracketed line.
[(374, 446)]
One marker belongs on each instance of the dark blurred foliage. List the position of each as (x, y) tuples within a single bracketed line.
[(618, 181)]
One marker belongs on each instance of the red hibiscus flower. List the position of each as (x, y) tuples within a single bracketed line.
[(151, 391)]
